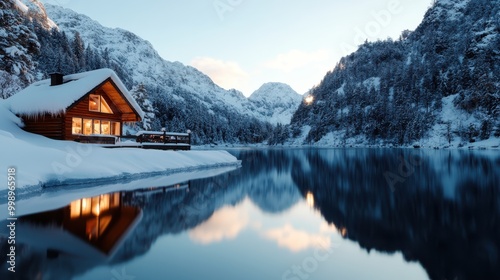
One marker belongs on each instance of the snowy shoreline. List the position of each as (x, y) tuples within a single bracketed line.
[(71, 166), (490, 144), (43, 162)]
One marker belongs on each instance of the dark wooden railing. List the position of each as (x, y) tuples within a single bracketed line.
[(97, 139), (163, 137), (162, 140), (144, 139)]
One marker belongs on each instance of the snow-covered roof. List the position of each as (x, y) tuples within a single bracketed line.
[(40, 97)]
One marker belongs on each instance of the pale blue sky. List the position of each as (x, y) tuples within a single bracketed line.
[(244, 43)]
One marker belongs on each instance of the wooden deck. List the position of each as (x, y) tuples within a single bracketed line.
[(97, 139), (151, 140)]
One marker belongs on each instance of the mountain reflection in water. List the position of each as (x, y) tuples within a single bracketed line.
[(437, 208), (445, 214)]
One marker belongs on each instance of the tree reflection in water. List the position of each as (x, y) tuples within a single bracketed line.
[(445, 215)]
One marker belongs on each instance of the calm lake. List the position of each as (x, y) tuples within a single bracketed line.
[(285, 214)]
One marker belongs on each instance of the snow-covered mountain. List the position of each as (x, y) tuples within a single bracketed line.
[(142, 62), (36, 40), (277, 102), (436, 86), (388, 92), (139, 58)]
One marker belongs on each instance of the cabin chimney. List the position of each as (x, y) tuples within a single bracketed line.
[(56, 79)]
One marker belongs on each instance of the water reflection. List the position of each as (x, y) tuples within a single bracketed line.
[(225, 224), (89, 232), (442, 211), (92, 227)]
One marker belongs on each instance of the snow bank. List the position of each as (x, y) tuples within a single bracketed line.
[(40, 161)]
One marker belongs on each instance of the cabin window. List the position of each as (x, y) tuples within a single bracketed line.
[(98, 104), (77, 126), (105, 107), (87, 126), (97, 127), (93, 126), (105, 127), (95, 103)]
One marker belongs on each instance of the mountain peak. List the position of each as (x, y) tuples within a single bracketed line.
[(274, 90), (277, 101)]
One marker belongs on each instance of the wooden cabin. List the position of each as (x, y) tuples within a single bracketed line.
[(87, 105)]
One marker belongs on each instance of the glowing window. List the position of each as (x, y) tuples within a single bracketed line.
[(106, 127), (95, 103), (75, 209), (87, 126), (77, 126), (104, 202), (86, 206), (96, 207), (105, 107), (97, 127), (98, 104)]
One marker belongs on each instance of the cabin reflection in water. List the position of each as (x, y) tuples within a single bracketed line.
[(90, 227)]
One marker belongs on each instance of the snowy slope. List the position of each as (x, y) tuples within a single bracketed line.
[(277, 102), (43, 162)]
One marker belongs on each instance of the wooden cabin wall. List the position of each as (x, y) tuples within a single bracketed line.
[(81, 110), (46, 125)]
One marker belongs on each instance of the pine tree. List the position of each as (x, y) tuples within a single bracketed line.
[(79, 51), (18, 44)]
